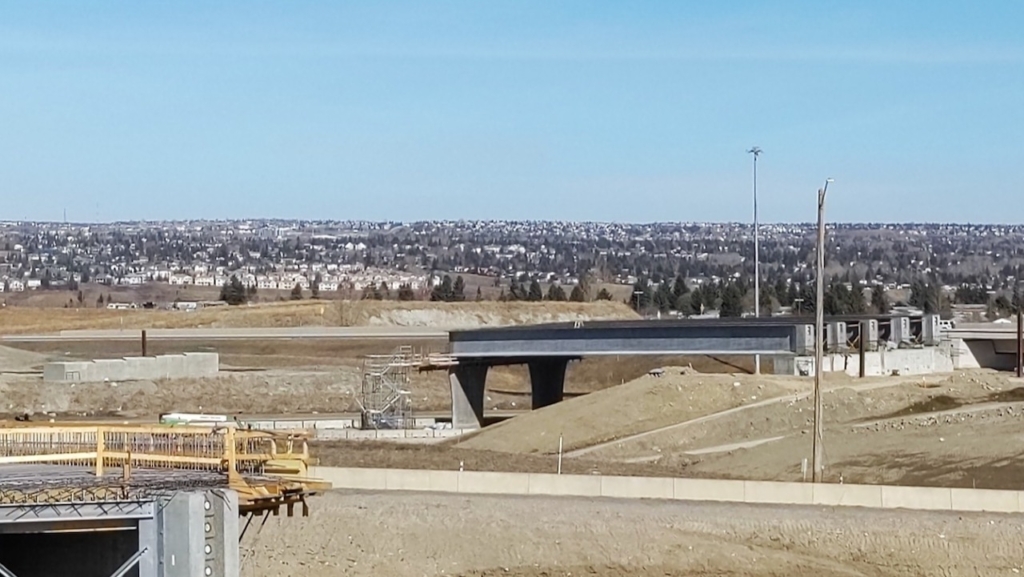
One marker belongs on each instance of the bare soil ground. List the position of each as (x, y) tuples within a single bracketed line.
[(960, 430), (417, 534), (34, 320), (275, 376)]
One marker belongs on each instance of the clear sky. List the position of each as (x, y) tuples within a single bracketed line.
[(574, 110)]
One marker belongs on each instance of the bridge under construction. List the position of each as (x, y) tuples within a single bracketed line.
[(145, 501)]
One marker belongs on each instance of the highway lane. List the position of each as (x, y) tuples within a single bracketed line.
[(255, 333)]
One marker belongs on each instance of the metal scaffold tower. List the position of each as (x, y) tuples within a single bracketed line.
[(385, 401)]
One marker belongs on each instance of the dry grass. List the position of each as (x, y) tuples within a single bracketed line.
[(29, 320)]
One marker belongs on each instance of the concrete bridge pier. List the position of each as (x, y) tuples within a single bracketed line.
[(547, 380), (467, 382)]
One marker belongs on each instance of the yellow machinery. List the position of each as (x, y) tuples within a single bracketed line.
[(72, 462)]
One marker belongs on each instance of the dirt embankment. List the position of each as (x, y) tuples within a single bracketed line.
[(22, 320), (641, 405)]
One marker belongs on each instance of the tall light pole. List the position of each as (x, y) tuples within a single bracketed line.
[(819, 333), (755, 151)]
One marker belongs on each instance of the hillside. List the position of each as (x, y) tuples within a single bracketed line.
[(28, 320)]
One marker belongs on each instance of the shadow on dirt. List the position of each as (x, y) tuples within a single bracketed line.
[(925, 470), (948, 403)]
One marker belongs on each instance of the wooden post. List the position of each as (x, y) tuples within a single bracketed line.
[(862, 353), (144, 347), (101, 448), (1020, 344), (230, 458)]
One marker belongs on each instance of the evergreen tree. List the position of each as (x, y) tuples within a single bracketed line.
[(679, 288), (697, 302), (314, 288), (458, 290), (805, 303), (684, 304), (405, 293), (732, 301), (233, 292), (604, 295), (535, 294), (879, 302), (382, 292), (296, 292), (555, 293), (641, 297), (924, 296), (782, 292), (577, 295), (444, 291), (250, 292), (663, 299), (766, 301), (479, 294)]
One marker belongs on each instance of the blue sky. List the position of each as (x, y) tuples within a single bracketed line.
[(575, 110)]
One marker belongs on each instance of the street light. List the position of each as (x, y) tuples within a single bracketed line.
[(756, 151), (819, 332)]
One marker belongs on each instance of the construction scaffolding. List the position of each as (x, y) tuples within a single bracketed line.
[(385, 402)]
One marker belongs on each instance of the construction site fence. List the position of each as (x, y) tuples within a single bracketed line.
[(221, 449)]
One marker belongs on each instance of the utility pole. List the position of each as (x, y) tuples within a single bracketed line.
[(757, 257), (819, 333)]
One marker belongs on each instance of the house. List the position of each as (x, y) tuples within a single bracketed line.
[(181, 279), (15, 285), (33, 284)]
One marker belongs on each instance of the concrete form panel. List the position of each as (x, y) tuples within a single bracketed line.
[(421, 480), (637, 487), (140, 368), (200, 365), (495, 483), (779, 493), (575, 485), (181, 529), (708, 490), (847, 495), (921, 498), (352, 478), (984, 500), (108, 370)]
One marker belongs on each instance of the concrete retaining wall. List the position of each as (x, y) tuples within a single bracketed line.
[(763, 492), (921, 361), (188, 365)]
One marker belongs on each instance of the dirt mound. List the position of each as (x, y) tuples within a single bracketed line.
[(647, 403), (14, 360), (28, 320), (465, 315)]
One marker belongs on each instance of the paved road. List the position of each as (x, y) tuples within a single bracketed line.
[(361, 333)]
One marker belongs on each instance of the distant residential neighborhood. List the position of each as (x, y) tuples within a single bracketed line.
[(963, 264)]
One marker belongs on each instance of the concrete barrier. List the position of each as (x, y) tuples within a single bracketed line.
[(708, 490), (762, 492), (847, 495), (497, 483), (984, 500), (188, 365), (637, 487), (777, 493), (422, 480), (922, 498), (571, 485)]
